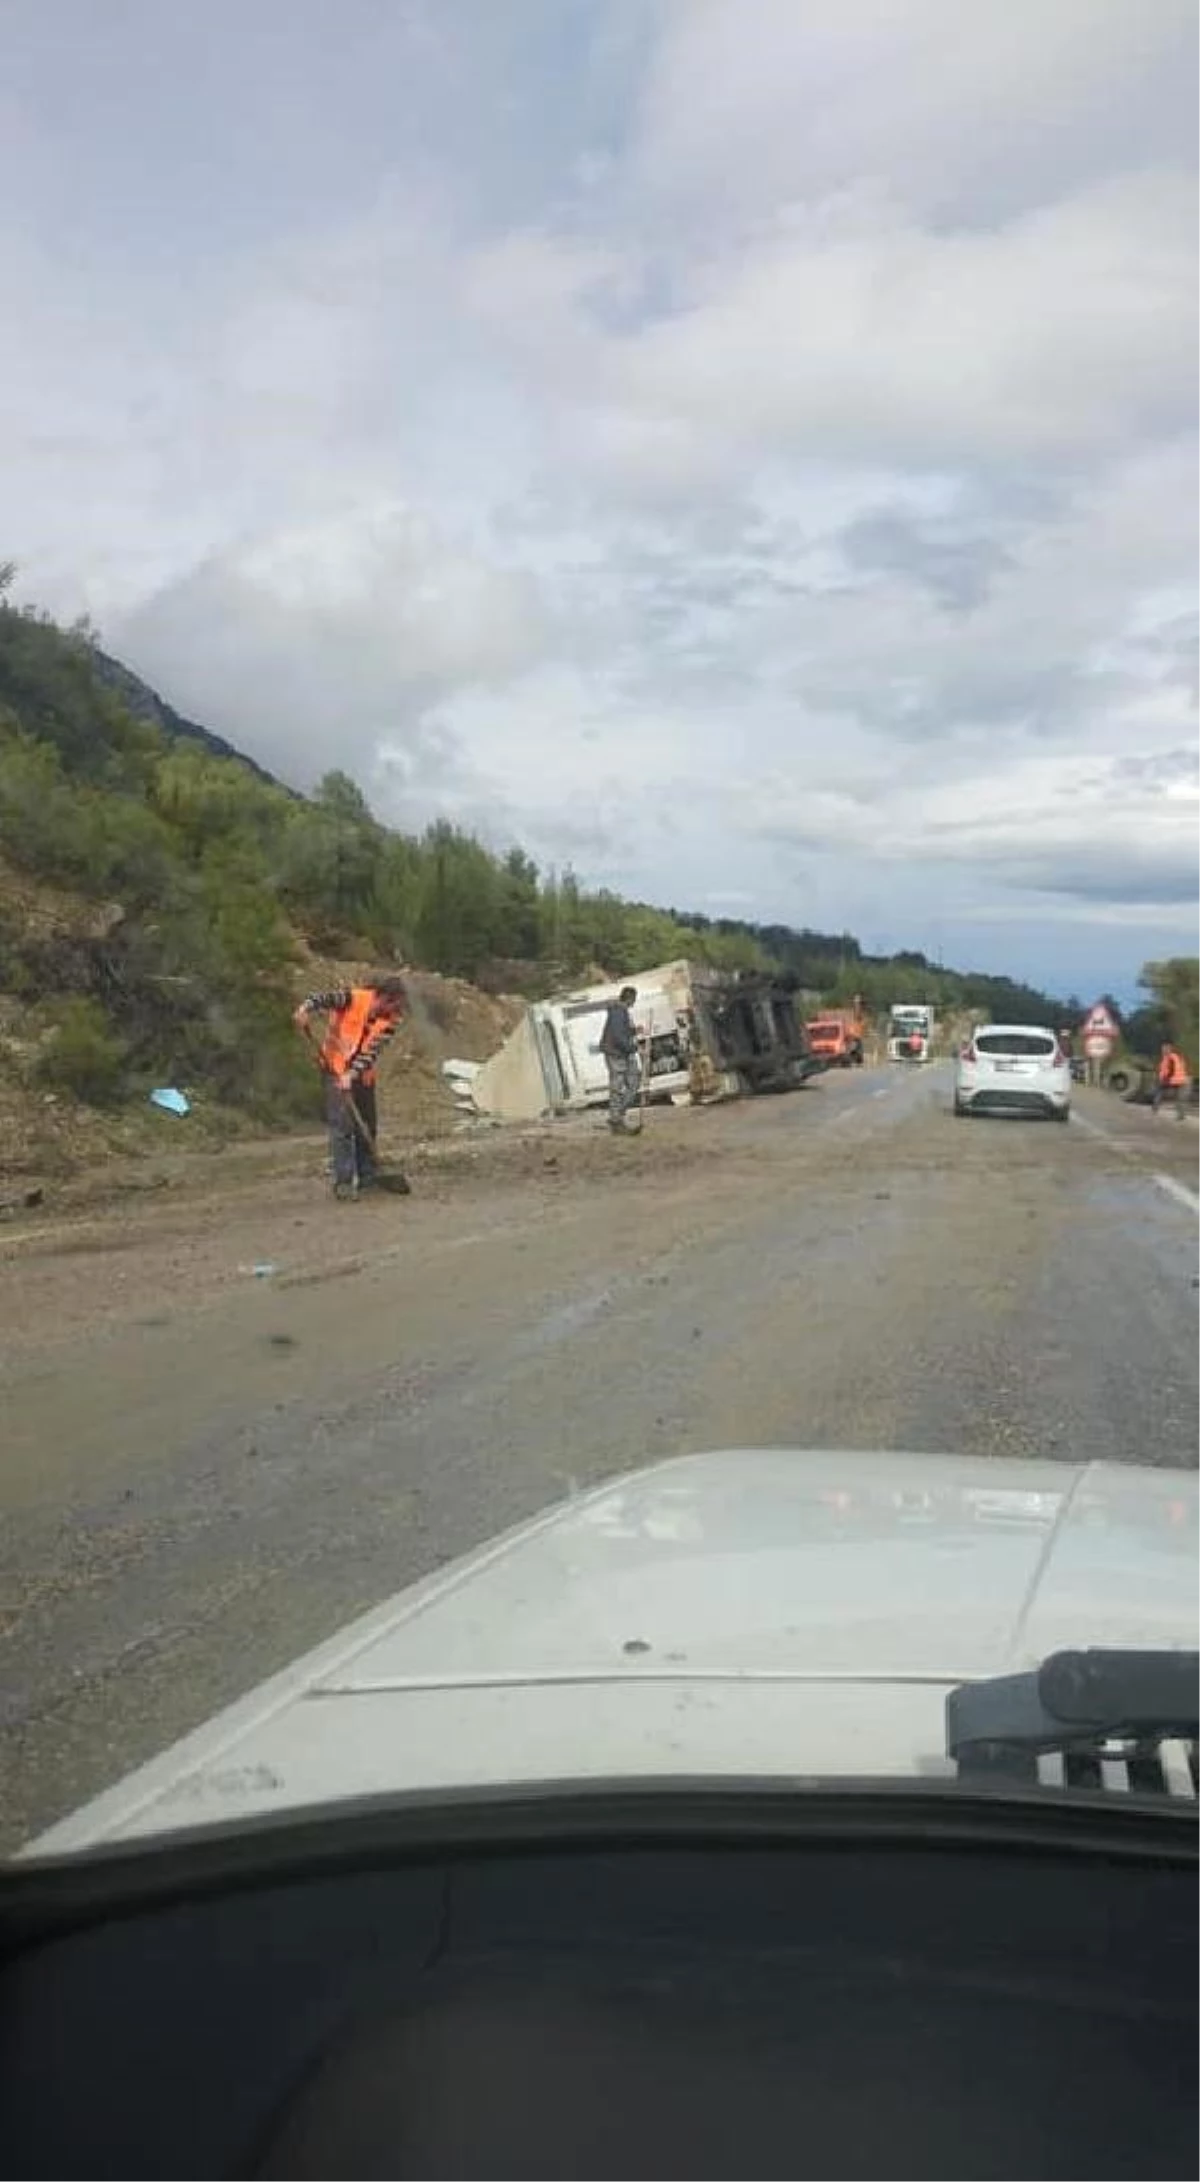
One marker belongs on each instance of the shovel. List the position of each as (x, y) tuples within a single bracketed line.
[(386, 1178)]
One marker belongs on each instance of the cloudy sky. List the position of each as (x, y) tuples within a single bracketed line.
[(742, 448)]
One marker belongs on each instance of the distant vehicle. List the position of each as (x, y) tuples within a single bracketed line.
[(1015, 1068), (836, 1039), (910, 1033)]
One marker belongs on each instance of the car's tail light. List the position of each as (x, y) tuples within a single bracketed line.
[(967, 1052)]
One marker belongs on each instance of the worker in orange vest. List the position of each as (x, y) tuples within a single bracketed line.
[(360, 1020), (1174, 1079)]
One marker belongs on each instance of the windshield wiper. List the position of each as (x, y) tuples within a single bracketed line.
[(1077, 1700)]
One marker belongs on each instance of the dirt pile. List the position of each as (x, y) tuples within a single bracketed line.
[(450, 1020)]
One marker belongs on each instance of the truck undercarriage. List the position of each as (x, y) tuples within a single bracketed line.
[(751, 1028)]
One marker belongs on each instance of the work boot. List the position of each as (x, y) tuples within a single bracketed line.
[(345, 1192)]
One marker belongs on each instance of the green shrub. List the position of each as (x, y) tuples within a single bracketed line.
[(84, 1055)]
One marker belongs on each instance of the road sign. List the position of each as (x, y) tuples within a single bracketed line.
[(1097, 1045), (1100, 1022)]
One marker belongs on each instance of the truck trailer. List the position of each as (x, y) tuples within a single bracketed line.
[(702, 1034)]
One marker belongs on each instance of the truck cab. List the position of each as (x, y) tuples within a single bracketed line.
[(836, 1039), (910, 1033)]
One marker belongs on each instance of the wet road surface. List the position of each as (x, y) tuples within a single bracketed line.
[(204, 1473)]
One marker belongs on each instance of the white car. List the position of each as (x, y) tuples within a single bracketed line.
[(1013, 1068), (788, 1614)]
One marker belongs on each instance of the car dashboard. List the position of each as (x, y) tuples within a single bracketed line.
[(686, 1980)]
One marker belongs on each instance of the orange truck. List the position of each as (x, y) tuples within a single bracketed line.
[(836, 1038)]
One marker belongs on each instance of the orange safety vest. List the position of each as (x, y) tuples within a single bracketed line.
[(346, 1032), (1173, 1069)]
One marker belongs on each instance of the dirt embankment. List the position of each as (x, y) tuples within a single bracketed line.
[(450, 1020), (57, 1153)]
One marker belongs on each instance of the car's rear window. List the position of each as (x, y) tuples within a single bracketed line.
[(1037, 1043)]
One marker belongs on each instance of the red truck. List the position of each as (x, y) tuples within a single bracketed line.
[(836, 1039)]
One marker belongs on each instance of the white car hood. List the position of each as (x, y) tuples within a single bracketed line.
[(769, 1613)]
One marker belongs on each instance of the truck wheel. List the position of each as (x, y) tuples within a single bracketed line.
[(1119, 1080)]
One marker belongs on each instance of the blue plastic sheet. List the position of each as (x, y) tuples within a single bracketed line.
[(172, 1102)]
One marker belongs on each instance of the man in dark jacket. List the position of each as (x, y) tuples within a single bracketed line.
[(619, 1045)]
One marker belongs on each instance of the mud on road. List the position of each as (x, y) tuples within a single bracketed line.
[(209, 1465)]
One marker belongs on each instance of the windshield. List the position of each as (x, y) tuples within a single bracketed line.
[(555, 560)]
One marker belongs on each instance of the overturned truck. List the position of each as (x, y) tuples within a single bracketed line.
[(708, 1034)]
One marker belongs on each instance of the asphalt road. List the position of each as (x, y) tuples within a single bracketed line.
[(205, 1472)]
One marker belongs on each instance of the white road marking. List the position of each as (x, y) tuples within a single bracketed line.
[(1178, 1190), (1080, 1121), (883, 1091)]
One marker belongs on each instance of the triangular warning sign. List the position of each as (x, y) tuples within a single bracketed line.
[(1100, 1021)]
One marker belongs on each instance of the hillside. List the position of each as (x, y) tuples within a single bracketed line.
[(145, 704), (163, 900)]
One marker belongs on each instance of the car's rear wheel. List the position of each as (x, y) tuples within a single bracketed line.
[(961, 1110)]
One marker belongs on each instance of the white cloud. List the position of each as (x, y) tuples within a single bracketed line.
[(967, 116), (341, 632), (1121, 831), (752, 457), (854, 333)]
